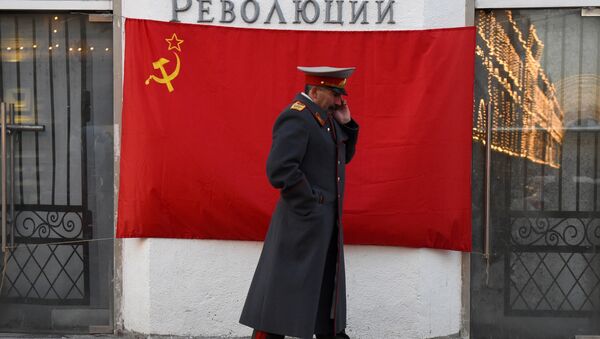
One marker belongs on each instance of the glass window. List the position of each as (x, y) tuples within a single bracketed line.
[(56, 75), (538, 75)]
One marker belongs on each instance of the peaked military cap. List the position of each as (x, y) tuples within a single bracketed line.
[(331, 77)]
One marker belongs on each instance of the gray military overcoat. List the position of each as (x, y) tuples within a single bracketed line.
[(290, 285)]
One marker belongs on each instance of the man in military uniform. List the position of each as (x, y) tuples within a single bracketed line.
[(299, 287)]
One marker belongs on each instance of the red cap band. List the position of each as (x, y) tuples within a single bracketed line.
[(325, 81)]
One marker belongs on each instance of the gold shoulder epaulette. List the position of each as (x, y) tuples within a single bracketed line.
[(298, 106)]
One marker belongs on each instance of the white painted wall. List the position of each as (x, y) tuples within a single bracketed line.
[(408, 14), (198, 287), (136, 285)]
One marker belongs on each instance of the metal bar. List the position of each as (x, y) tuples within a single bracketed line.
[(578, 172), (3, 179), (563, 49), (488, 157), (596, 134), (86, 63), (2, 65), (549, 313), (117, 301), (11, 194), (542, 167), (26, 128), (507, 280), (35, 111), (86, 114), (525, 185), (52, 113), (568, 249), (534, 128), (579, 89), (547, 134), (555, 214), (68, 69), (53, 241), (51, 208), (13, 112), (595, 172)]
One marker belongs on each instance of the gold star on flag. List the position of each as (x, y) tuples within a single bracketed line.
[(174, 42)]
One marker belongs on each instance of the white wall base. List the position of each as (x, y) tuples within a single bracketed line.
[(198, 288)]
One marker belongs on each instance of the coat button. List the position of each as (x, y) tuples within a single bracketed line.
[(339, 162), (338, 178)]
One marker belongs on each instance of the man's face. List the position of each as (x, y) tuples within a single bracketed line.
[(327, 99)]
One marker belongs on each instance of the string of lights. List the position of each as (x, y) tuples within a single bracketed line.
[(528, 119), (14, 46)]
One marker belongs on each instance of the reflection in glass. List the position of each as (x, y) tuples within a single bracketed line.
[(539, 71), (58, 271), (528, 119)]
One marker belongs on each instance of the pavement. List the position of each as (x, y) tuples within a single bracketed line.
[(103, 336)]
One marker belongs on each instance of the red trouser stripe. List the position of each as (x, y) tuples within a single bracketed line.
[(260, 335)]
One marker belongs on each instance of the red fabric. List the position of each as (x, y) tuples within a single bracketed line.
[(193, 160)]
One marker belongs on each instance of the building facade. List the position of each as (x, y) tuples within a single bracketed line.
[(534, 271)]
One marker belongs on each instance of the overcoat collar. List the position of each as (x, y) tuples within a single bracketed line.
[(319, 113)]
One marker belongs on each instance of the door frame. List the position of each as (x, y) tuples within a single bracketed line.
[(118, 65)]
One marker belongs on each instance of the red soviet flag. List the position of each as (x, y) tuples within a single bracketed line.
[(200, 101)]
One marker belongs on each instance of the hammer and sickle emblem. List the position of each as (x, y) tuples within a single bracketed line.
[(166, 78)]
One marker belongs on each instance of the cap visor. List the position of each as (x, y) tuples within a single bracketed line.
[(339, 91)]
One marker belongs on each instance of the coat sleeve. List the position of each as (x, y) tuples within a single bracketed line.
[(351, 129), (290, 140)]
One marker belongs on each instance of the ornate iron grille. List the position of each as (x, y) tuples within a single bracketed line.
[(553, 265), (49, 266)]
